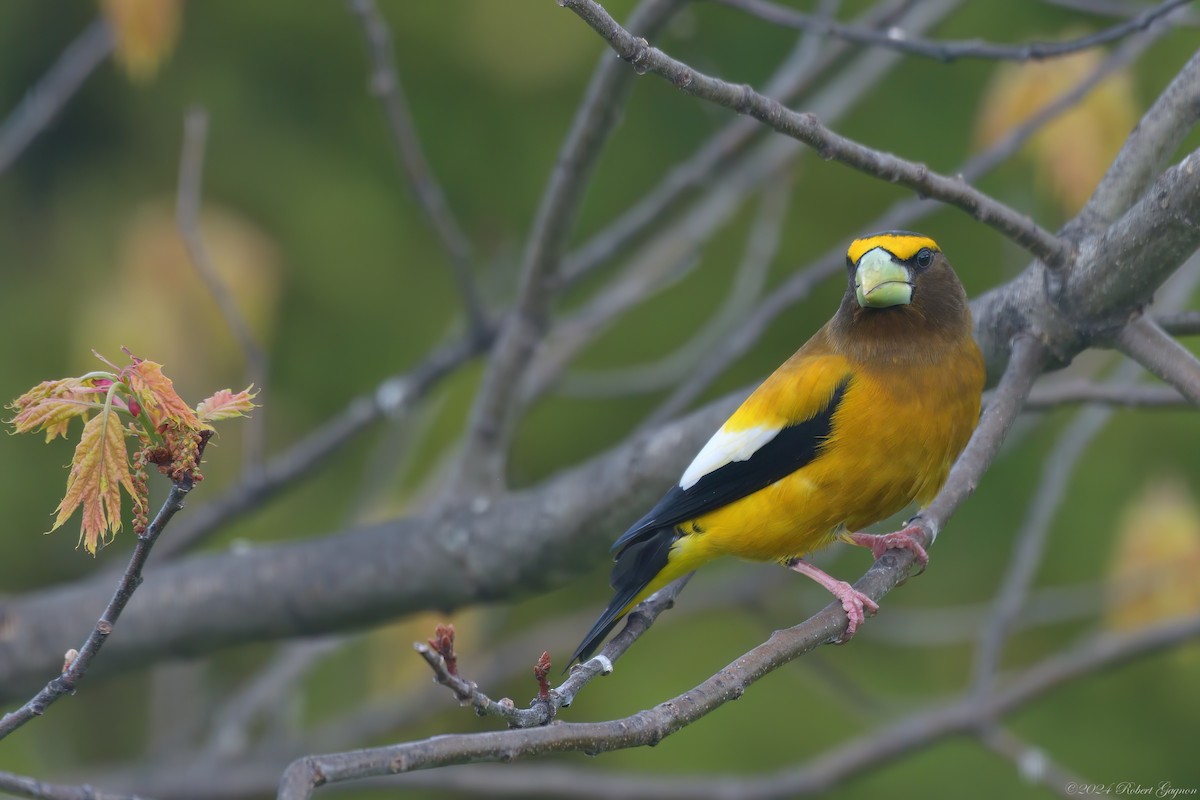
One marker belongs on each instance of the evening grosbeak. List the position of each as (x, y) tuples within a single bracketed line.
[(866, 417)]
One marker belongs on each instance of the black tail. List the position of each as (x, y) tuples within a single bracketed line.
[(636, 566)]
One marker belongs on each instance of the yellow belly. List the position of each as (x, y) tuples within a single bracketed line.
[(895, 437)]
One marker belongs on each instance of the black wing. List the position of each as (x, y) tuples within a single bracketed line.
[(792, 448)]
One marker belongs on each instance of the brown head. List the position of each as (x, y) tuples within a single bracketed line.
[(903, 301)]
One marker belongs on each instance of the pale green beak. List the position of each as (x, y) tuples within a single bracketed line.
[(881, 282)]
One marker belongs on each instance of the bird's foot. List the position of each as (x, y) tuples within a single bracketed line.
[(857, 605), (905, 539)]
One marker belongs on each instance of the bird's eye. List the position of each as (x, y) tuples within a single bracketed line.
[(924, 257)]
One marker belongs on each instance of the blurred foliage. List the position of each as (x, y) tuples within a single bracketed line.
[(329, 256)]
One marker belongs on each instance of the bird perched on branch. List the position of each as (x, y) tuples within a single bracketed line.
[(866, 417)]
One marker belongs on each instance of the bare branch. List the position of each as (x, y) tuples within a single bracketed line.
[(794, 76), (269, 689), (1030, 544), (393, 397), (1148, 149), (74, 671), (1060, 393), (1146, 343), (1181, 323), (48, 96), (187, 217), (1032, 762), (652, 725), (951, 51), (750, 276), (21, 786), (385, 83), (805, 127), (480, 467)]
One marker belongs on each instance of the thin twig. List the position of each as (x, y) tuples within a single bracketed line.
[(750, 276), (1149, 147), (393, 396), (21, 786), (74, 672), (48, 96), (1180, 323), (385, 84), (680, 241), (1146, 343), (948, 51), (187, 216), (1027, 553), (650, 726), (1070, 392), (1044, 245), (1033, 764), (901, 215), (480, 467), (794, 76), (543, 709), (267, 690)]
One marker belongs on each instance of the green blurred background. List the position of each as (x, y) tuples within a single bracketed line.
[(307, 214)]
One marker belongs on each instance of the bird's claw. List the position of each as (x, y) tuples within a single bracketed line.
[(858, 607), (904, 539)]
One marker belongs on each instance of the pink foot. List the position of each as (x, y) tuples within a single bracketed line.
[(857, 605), (905, 539)]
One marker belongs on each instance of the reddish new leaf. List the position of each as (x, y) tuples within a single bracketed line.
[(158, 397), (50, 406), (98, 471), (225, 405)]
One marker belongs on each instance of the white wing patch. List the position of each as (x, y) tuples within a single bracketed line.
[(723, 448)]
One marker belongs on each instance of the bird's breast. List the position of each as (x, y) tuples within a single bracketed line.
[(895, 435)]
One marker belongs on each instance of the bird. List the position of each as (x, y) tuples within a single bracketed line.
[(868, 416)]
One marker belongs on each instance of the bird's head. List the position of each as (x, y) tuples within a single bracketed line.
[(901, 281)]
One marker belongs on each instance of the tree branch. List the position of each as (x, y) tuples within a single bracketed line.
[(951, 51), (794, 76), (21, 786), (385, 84), (48, 96), (1060, 393), (481, 465), (743, 99), (187, 218), (1149, 345), (1148, 149), (392, 397), (77, 665), (650, 726)]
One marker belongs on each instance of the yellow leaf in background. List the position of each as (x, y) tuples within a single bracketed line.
[(156, 303), (145, 32), (158, 397), (98, 471), (1157, 559), (1071, 152)]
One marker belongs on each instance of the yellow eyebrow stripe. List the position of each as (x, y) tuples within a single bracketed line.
[(902, 245)]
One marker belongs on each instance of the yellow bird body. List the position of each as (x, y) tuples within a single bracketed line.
[(868, 416)]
